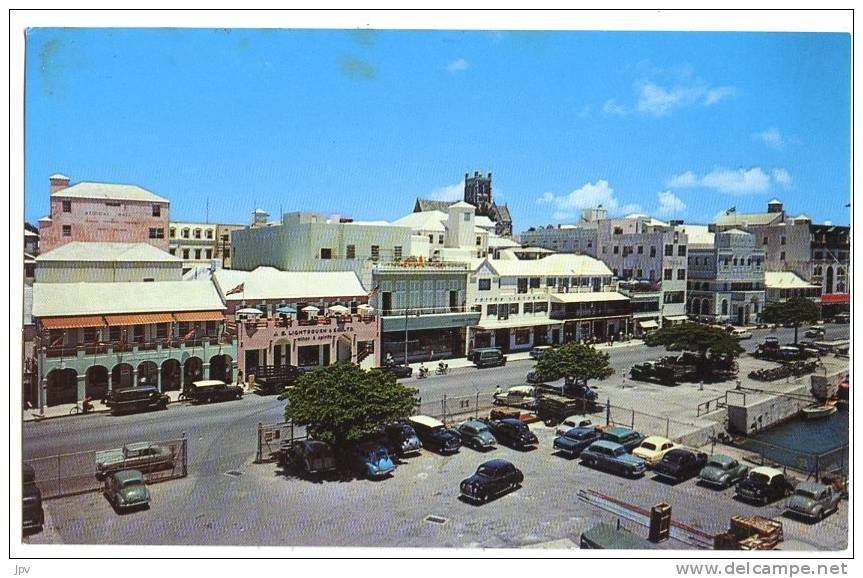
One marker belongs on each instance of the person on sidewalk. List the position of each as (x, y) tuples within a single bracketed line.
[(240, 377)]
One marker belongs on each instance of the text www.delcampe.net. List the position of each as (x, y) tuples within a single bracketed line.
[(762, 569)]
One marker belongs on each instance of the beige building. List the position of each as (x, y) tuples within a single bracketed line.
[(80, 262)]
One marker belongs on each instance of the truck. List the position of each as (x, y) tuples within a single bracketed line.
[(553, 409), (274, 379)]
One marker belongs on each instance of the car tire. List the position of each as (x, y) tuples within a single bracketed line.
[(590, 462), (820, 515)]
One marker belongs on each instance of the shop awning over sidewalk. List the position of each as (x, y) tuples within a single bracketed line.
[(78, 322), (516, 323), (588, 297), (648, 324)]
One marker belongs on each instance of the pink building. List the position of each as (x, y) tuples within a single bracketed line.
[(103, 212)]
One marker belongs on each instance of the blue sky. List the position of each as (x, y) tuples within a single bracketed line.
[(360, 123)]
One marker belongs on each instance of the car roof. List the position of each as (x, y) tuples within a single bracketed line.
[(679, 451), (620, 431), (127, 475), (606, 444), (139, 445), (315, 444), (812, 487), (208, 382), (769, 472), (496, 463), (426, 420), (511, 421), (136, 388), (721, 458), (580, 430), (523, 388), (476, 424), (656, 440)]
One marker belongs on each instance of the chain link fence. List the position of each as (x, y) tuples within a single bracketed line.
[(270, 437), (456, 408), (812, 464), (646, 423), (75, 473)]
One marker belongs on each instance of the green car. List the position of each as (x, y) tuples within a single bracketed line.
[(126, 489)]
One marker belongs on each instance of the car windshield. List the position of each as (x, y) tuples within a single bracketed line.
[(807, 493), (675, 458), (619, 451), (580, 435), (648, 446), (759, 477), (132, 482), (720, 465), (520, 427), (378, 454), (486, 471)]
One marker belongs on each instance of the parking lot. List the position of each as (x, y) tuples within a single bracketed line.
[(254, 504)]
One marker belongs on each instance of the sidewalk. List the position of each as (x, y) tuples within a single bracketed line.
[(65, 410)]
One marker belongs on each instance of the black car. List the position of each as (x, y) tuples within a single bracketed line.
[(401, 439), (512, 433), (310, 457), (681, 464), (575, 440), (133, 399), (33, 516), (578, 389), (434, 435), (764, 485), (400, 371), (211, 390), (491, 479)]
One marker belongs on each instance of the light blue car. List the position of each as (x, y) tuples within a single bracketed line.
[(370, 460)]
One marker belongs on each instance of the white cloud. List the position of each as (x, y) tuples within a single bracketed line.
[(733, 181), (771, 137), (611, 107), (588, 196), (453, 192), (458, 65), (656, 100), (670, 204), (715, 95), (782, 177)]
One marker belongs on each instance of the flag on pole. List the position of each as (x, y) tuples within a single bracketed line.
[(189, 335), (375, 291), (57, 341), (238, 289)]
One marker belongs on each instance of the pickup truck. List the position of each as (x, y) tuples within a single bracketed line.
[(141, 456), (271, 379)]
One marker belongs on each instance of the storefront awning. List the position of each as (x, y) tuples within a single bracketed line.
[(676, 318), (186, 316), (648, 324), (78, 322), (829, 298), (588, 297), (515, 323), (138, 319)]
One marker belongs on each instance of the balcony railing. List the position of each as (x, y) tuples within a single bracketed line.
[(409, 266), (418, 311), (110, 348), (286, 322)]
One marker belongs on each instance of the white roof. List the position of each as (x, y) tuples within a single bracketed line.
[(425, 420), (68, 299), (59, 176), (86, 190), (483, 222), (513, 322), (423, 221), (588, 297), (119, 252), (556, 265), (462, 205), (266, 283), (785, 280), (698, 235), (495, 241)]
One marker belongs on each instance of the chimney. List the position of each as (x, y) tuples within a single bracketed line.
[(489, 175), (58, 182), (466, 176)]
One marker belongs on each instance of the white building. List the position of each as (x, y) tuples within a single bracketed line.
[(107, 263)]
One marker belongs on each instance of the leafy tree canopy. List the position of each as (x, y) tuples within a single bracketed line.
[(796, 310), (343, 402), (574, 360), (695, 337)]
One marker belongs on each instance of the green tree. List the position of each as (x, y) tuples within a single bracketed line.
[(698, 339), (795, 311), (343, 402), (574, 361)]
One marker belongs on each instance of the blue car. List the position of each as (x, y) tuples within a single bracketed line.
[(370, 460), (612, 457), (575, 440)]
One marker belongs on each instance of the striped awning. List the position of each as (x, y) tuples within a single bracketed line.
[(73, 322), (199, 316), (138, 319)]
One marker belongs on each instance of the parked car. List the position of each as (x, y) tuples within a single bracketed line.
[(653, 448), (722, 471), (612, 457), (538, 351), (476, 434), (492, 478), (816, 331), (523, 396), (842, 318), (681, 464), (33, 517), (210, 390), (740, 333), (126, 489), (813, 501), (575, 440), (512, 433), (141, 456), (605, 536), (310, 457), (369, 459), (401, 439), (533, 377), (434, 435), (572, 421), (627, 437), (134, 399), (488, 357), (764, 485), (400, 371)]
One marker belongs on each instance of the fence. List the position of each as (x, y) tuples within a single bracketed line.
[(647, 423), (75, 473), (270, 437), (813, 465), (450, 409)]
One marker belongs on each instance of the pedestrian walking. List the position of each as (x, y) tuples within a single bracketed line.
[(240, 377)]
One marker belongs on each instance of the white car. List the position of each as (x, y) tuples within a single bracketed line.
[(571, 422), (522, 396), (740, 333)]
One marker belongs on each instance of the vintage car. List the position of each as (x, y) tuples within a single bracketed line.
[(722, 471), (740, 333), (627, 437), (401, 439), (605, 536), (538, 351), (533, 378), (476, 434), (434, 435), (813, 501), (512, 433), (815, 332), (522, 396), (33, 517), (659, 372), (210, 390), (680, 464), (274, 379), (572, 421), (309, 457), (612, 457), (653, 448), (134, 399), (141, 456), (764, 485), (488, 357), (126, 489), (573, 442), (400, 371), (369, 459), (492, 478)]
